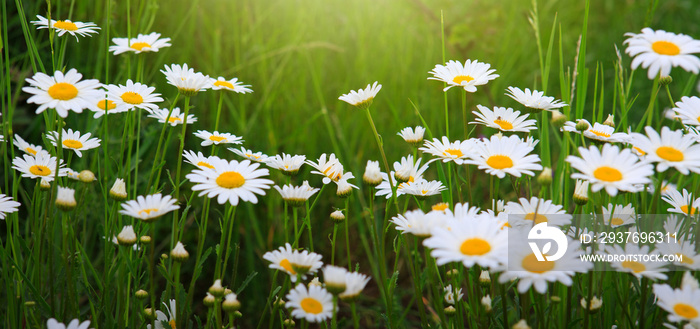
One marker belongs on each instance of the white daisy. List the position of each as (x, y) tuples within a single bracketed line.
[(25, 147), (102, 106), (67, 26), (354, 284), (313, 305), (619, 215), (162, 317), (133, 95), (231, 181), (217, 138), (296, 195), (417, 222), (199, 160), (186, 80), (63, 92), (334, 278), (305, 262), (457, 151), (72, 140), (176, 118), (141, 44), (72, 174), (471, 242), (331, 169), (250, 155), (505, 155), (412, 136), (42, 166), (682, 204), (407, 170), (685, 250), (282, 258), (287, 163), (452, 295), (504, 119), (65, 198), (7, 205), (467, 76), (534, 99), (74, 324), (362, 98), (688, 110), (636, 265), (597, 131), (534, 211), (422, 189), (234, 85), (670, 149), (611, 169), (659, 51), (373, 175), (150, 207), (344, 188), (682, 304)]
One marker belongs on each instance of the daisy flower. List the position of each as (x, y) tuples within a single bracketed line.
[(162, 317), (72, 174), (150, 207), (62, 92), (417, 222), (67, 26), (334, 278), (659, 51), (407, 170), (505, 155), (142, 43), (25, 147), (313, 305), (423, 189), (373, 175), (635, 264), (102, 106), (74, 324), (176, 118), (452, 295), (670, 149), (504, 119), (288, 164), (688, 110), (281, 259), (610, 168), (331, 169), (471, 242), (682, 304), (683, 249), (42, 166), (231, 181), (354, 284), (467, 76), (199, 160), (72, 140), (234, 85), (534, 100), (412, 136), (217, 138), (133, 95), (597, 131), (682, 204), (534, 211), (250, 155), (457, 151), (186, 80), (619, 215), (7, 205), (344, 188), (362, 98), (296, 195)]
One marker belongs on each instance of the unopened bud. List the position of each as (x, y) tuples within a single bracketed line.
[(582, 125), (148, 313), (44, 185), (450, 310), (555, 299), (485, 278), (127, 237), (558, 119), (610, 121), (231, 303), (65, 199), (118, 190), (209, 300), (289, 323), (452, 273), (665, 80), (145, 239), (217, 289), (179, 253), (337, 216), (86, 176), (486, 302), (581, 192), (141, 294), (545, 177)]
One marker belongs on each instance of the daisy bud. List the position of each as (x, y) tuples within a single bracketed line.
[(148, 313), (227, 291), (665, 80), (216, 289), (44, 185), (582, 125), (164, 256), (231, 303), (65, 200), (86, 176), (344, 188), (558, 118), (402, 176), (334, 277), (545, 177), (581, 192), (30, 303), (522, 324), (486, 302), (452, 296), (452, 273), (593, 306), (279, 302), (289, 323), (179, 253), (315, 282), (209, 300), (485, 278), (450, 310), (127, 237), (555, 299), (337, 216), (141, 294), (373, 175), (415, 138), (237, 314), (118, 190), (145, 239), (610, 121)]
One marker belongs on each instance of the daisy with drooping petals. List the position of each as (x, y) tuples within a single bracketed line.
[(682, 204), (217, 138), (362, 98), (142, 43), (471, 242), (289, 261), (233, 85), (417, 222), (133, 95), (612, 169), (682, 304), (619, 215), (534, 211), (331, 169), (150, 207), (104, 106), (354, 284), (314, 304), (72, 140), (634, 264), (467, 76), (457, 151), (505, 155), (187, 81), (162, 317), (534, 100), (670, 149), (250, 155), (176, 118), (408, 171), (25, 147), (504, 119), (597, 131), (67, 26), (63, 92), (411, 136), (231, 181), (296, 195), (287, 163), (422, 189), (41, 166), (659, 51), (74, 324), (7, 205), (199, 160), (688, 110)]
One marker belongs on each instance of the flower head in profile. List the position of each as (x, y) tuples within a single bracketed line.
[(233, 85), (534, 100), (74, 324), (296, 195), (362, 98), (150, 207), (467, 76), (373, 175), (175, 118), (41, 166), (688, 110), (104, 105), (292, 261), (7, 205), (329, 167), (217, 138), (133, 95), (25, 147), (67, 26), (73, 140), (412, 136), (506, 155), (423, 188), (314, 304), (63, 92), (597, 131), (504, 119), (187, 81), (287, 163), (659, 51), (142, 43), (231, 181), (354, 284), (457, 151), (671, 148), (250, 155)]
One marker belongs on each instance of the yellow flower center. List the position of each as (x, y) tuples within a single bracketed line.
[(204, 164), (63, 91), (505, 125), (636, 267), (617, 221), (174, 120), (537, 218), (106, 105), (499, 162), (30, 150), (462, 78), (221, 83), (287, 266), (442, 206), (140, 45), (216, 138), (607, 174), (531, 264), (670, 153), (132, 98), (599, 133), (311, 305), (230, 179), (685, 310), (475, 247), (665, 48), (72, 144), (685, 259), (688, 210), (172, 324), (69, 26), (40, 170), (453, 152), (639, 150), (147, 211)]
